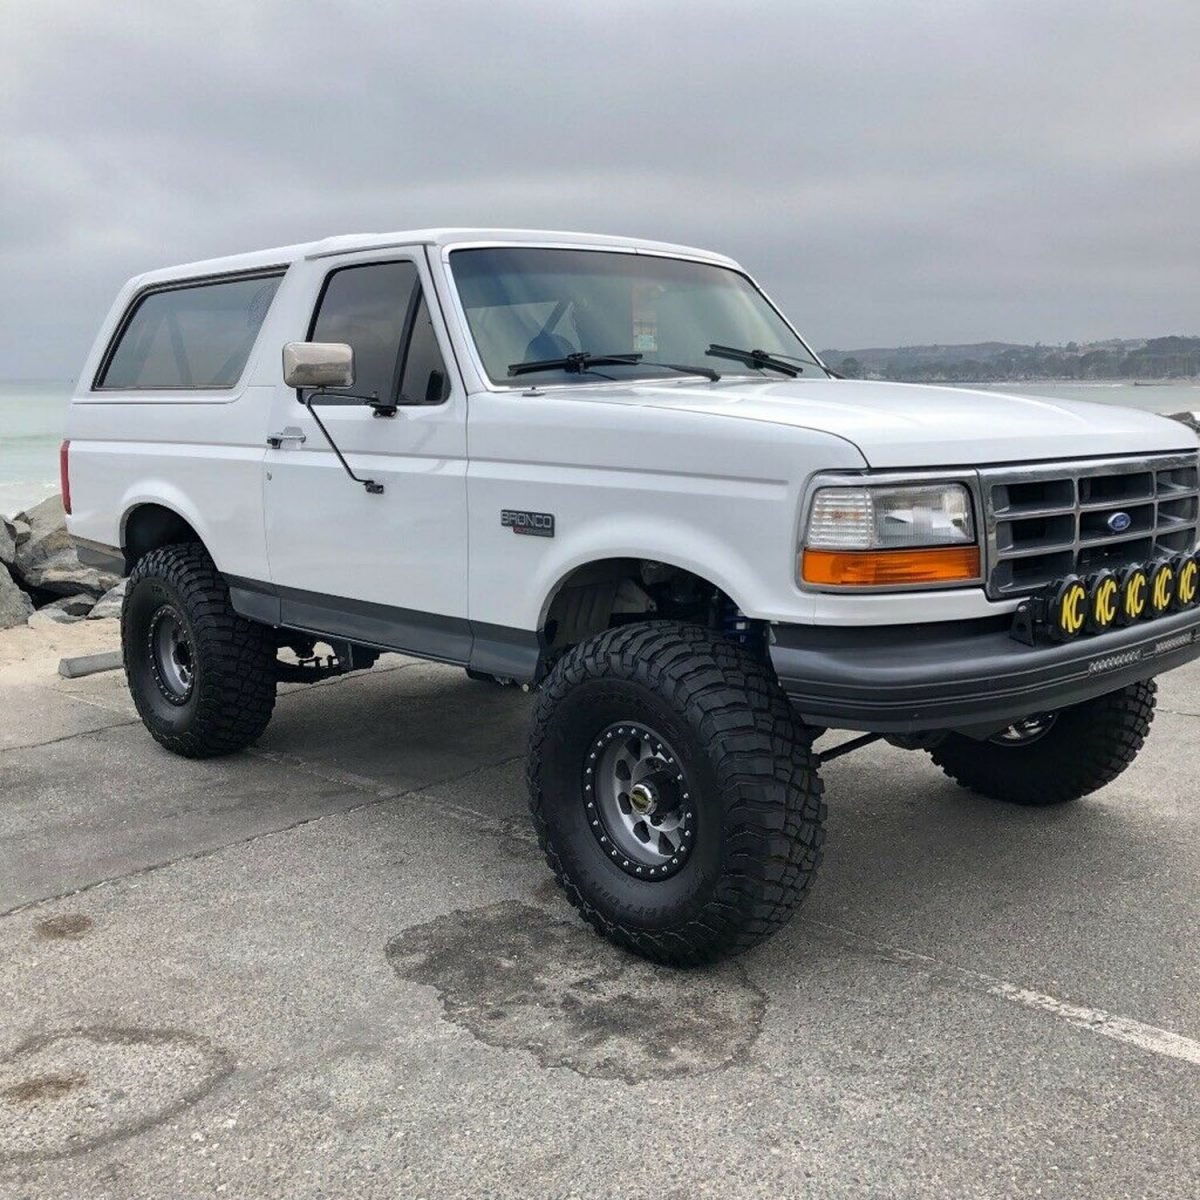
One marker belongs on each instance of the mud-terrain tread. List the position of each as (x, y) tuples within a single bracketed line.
[(769, 781), (1091, 745), (236, 657)]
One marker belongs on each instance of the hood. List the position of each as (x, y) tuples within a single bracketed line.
[(912, 425)]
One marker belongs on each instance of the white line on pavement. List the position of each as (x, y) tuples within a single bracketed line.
[(1094, 1020)]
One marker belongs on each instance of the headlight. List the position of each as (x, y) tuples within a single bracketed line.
[(890, 536)]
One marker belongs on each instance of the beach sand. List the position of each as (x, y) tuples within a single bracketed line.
[(32, 655)]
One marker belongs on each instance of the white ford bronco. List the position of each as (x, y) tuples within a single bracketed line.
[(611, 471)]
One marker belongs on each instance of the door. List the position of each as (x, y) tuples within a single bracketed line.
[(386, 568)]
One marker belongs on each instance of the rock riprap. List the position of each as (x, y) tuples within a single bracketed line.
[(40, 570), (46, 561), (15, 606), (109, 605), (8, 541)]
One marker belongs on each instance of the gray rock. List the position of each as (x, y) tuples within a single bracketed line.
[(73, 606), (15, 605), (49, 616), (46, 559), (73, 580), (109, 605), (8, 540), (43, 517)]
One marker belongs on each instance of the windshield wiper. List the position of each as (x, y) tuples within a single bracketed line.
[(573, 364), (756, 358), (707, 372), (582, 361)]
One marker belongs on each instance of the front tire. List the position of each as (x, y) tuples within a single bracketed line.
[(674, 792), (1055, 757), (202, 677)]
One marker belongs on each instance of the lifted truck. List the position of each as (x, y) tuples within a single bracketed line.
[(611, 471)]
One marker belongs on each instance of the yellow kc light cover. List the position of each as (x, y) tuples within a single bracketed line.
[(1162, 588), (1187, 582), (1104, 602), (1071, 608), (1135, 594)]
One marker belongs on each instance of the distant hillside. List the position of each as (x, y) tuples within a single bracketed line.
[(1128, 358)]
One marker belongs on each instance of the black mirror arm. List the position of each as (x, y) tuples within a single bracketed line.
[(381, 408), (375, 489)]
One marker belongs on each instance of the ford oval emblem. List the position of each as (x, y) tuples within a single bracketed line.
[(1119, 522)]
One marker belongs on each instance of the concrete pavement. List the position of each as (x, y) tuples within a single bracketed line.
[(335, 966)]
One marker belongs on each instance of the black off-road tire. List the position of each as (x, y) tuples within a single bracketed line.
[(1088, 746), (230, 695), (755, 792)]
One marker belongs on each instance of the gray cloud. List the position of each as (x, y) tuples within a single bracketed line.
[(892, 173)]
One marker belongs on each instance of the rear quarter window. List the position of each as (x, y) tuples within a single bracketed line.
[(189, 337)]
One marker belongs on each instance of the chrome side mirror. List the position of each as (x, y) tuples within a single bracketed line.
[(318, 365)]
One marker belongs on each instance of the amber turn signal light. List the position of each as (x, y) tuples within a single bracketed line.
[(891, 568)]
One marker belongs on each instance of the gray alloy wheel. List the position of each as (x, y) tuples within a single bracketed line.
[(638, 800), (172, 658)]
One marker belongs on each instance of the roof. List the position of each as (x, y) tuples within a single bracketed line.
[(350, 243)]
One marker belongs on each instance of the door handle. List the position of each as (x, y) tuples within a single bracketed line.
[(290, 434)]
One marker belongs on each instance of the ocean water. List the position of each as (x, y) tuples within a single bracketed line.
[(1182, 396), (32, 416)]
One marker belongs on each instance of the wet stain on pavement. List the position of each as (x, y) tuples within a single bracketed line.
[(548, 892), (42, 1087), (69, 927), (518, 977), (68, 1092)]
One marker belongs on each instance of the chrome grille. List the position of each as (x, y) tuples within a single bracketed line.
[(1051, 519)]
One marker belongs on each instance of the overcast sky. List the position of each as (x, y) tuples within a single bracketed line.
[(891, 172)]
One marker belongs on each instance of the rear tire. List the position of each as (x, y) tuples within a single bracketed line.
[(718, 836), (1084, 748), (202, 677)]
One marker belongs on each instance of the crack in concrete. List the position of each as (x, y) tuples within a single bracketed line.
[(69, 737), (93, 702), (379, 796)]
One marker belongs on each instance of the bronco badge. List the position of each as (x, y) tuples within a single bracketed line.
[(534, 524)]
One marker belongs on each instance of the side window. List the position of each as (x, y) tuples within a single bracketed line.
[(190, 337), (423, 375), (380, 311)]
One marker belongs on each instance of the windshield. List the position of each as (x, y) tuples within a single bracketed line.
[(529, 305)]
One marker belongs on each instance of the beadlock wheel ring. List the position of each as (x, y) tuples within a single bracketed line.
[(638, 801), (171, 655)]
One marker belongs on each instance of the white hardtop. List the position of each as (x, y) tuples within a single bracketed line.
[(351, 243)]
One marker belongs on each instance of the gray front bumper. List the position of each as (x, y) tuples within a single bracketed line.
[(964, 674)]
